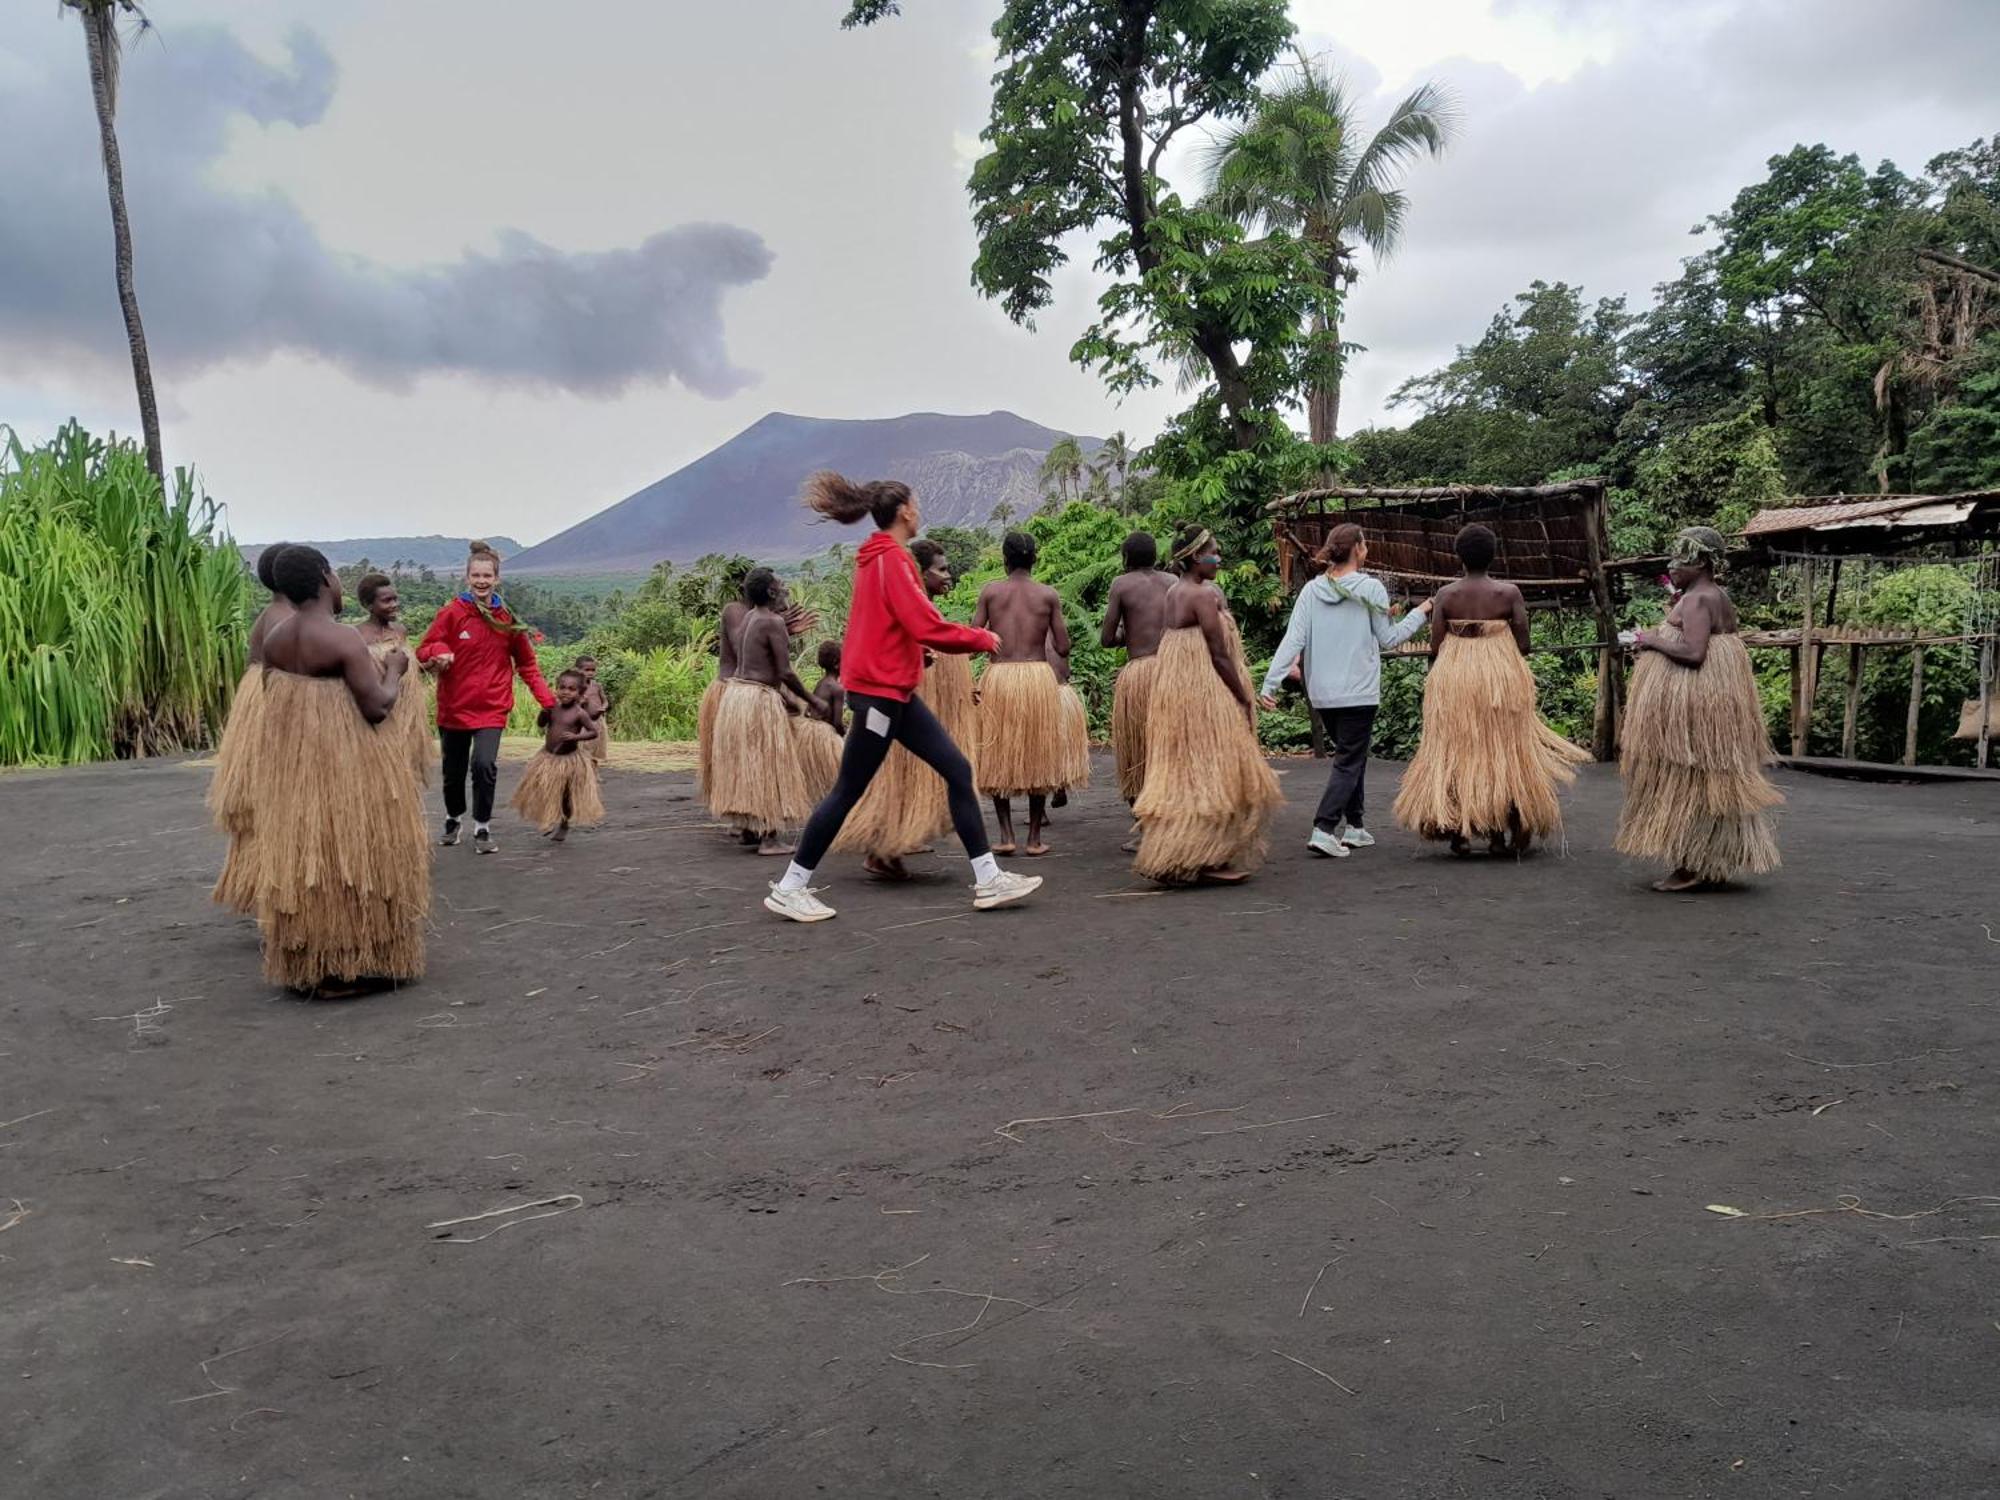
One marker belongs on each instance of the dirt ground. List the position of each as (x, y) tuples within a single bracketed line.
[(1386, 1177)]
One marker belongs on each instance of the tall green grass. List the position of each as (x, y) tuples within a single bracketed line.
[(122, 616)]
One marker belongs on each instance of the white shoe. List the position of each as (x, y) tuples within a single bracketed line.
[(801, 905), (1325, 843), (1004, 890), (1356, 838)]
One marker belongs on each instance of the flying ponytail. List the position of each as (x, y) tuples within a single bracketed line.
[(842, 500)]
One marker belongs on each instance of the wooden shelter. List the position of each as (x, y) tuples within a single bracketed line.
[(1818, 535), (1554, 542)]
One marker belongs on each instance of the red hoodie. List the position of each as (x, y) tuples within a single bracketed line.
[(477, 690), (890, 621)]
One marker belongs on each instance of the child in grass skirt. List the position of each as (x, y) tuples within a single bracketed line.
[(559, 787)]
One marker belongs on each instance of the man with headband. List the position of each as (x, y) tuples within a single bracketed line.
[(1695, 747)]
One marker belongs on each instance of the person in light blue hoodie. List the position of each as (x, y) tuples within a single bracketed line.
[(1341, 624)]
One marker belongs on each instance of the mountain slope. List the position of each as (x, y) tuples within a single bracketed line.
[(743, 496), (445, 554)]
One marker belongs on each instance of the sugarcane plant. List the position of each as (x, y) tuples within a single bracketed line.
[(122, 614)]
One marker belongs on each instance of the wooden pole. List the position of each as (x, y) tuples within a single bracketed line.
[(1604, 716), (1802, 662), (1847, 722), (1916, 704), (1985, 700)]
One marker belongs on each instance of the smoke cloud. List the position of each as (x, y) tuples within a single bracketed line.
[(228, 276)]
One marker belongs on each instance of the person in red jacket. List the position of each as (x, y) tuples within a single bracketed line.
[(890, 622), (475, 646)]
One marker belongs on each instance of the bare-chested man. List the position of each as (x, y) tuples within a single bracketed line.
[(1022, 751), (1135, 618)]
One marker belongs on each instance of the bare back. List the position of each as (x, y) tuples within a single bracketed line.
[(1477, 596), (312, 643), (279, 609), (1026, 615), (1194, 602), (1135, 612), (730, 630)]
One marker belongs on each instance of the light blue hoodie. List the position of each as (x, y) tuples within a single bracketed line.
[(1343, 627)]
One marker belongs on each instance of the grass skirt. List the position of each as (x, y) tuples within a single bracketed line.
[(1693, 759), (820, 748), (1129, 701), (549, 779), (1023, 744), (1485, 752), (343, 869), (410, 719), (704, 734), (229, 793), (1209, 797), (1076, 739), (755, 780), (906, 806)]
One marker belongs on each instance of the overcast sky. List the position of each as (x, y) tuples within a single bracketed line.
[(427, 267)]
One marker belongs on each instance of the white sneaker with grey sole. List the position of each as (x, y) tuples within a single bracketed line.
[(801, 905), (1004, 890), (1356, 838), (1327, 844)]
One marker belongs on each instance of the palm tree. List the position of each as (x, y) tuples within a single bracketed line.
[(101, 44), (1063, 468), (1114, 458), (1296, 165)]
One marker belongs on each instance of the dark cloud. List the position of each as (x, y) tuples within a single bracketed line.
[(226, 275)]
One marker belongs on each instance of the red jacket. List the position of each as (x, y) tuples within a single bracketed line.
[(477, 690), (890, 621)]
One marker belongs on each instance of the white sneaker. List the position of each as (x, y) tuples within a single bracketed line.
[(1325, 843), (1004, 890), (1356, 838), (801, 905)]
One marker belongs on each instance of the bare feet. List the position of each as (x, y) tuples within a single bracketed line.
[(1522, 843), (1460, 846), (1061, 798), (1679, 882), (1130, 846), (1496, 844), (746, 837), (1036, 849), (1224, 875), (773, 847), (560, 832), (347, 989), (1006, 848), (885, 869)]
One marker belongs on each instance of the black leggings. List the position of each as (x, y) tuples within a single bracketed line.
[(877, 724), (481, 748)]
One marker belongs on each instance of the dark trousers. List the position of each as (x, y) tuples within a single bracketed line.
[(875, 725), (1350, 730), (479, 748)]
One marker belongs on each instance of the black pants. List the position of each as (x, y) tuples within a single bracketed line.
[(1350, 730), (916, 728), (480, 748)]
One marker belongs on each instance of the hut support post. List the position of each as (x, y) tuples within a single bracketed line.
[(1803, 662), (1847, 721), (1604, 718), (1916, 705), (1985, 700)]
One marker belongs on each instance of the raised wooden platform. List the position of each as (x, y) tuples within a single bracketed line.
[(1871, 770)]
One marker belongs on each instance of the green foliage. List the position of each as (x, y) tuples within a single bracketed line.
[(122, 616), (1958, 446), (1717, 474)]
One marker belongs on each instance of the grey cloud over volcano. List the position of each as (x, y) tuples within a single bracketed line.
[(228, 275)]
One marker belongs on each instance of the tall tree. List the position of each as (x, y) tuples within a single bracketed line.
[(1062, 470), (1114, 459), (1298, 163), (1089, 96), (102, 47)]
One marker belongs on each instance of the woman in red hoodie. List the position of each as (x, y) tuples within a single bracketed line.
[(890, 622), (476, 647)]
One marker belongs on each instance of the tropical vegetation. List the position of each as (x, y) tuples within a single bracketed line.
[(121, 612)]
